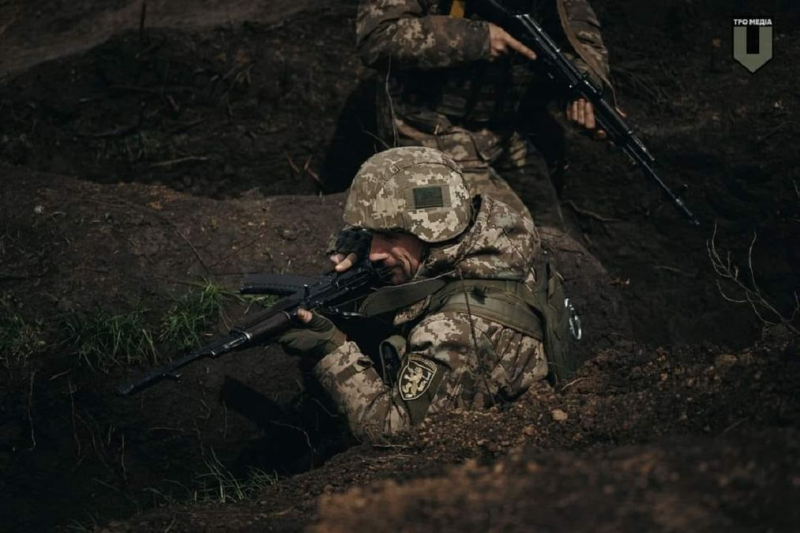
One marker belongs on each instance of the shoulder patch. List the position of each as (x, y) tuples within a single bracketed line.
[(416, 378)]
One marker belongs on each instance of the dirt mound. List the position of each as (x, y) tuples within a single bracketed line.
[(685, 484), (216, 112), (62, 29)]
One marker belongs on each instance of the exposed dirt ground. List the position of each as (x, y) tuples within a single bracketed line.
[(137, 160)]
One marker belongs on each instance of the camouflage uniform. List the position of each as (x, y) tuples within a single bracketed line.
[(448, 359), (441, 91)]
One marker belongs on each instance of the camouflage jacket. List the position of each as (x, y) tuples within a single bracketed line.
[(437, 70), (450, 359)]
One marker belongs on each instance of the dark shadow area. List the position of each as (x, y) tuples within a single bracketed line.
[(354, 139), (296, 437)]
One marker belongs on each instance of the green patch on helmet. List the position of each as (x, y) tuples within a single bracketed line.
[(427, 197)]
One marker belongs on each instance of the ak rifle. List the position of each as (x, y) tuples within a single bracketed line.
[(525, 29), (329, 294)]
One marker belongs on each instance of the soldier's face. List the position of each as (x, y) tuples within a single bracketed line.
[(400, 251)]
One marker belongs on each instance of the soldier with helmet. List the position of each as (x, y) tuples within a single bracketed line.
[(451, 81), (465, 329)]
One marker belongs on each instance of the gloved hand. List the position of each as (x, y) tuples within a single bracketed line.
[(351, 246), (316, 338)]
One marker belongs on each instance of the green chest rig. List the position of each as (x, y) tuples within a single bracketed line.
[(544, 313)]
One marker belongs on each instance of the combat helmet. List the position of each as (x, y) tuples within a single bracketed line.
[(416, 190)]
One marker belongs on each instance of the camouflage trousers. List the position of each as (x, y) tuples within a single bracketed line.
[(490, 161)]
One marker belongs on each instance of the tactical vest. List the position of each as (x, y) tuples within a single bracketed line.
[(544, 313)]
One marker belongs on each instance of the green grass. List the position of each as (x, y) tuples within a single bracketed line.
[(197, 310), (20, 338), (261, 300), (217, 484), (104, 340), (220, 485), (194, 312)]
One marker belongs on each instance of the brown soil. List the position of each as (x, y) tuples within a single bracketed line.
[(134, 163)]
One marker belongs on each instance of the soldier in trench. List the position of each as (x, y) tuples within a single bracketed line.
[(467, 330)]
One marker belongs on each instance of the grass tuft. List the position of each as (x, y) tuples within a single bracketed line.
[(220, 485), (196, 310), (104, 340), (20, 338)]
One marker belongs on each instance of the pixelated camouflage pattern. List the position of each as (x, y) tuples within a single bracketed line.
[(584, 23), (478, 362), (475, 152), (382, 194), (440, 91), (416, 34), (437, 67)]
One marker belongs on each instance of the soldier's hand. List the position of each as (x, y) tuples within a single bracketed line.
[(500, 43), (352, 245), (581, 112), (343, 262), (316, 337)]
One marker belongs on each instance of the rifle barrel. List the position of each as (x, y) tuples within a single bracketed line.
[(525, 29)]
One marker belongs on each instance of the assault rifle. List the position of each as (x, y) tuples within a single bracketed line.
[(330, 293), (525, 29)]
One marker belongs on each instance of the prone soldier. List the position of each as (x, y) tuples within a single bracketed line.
[(470, 306)]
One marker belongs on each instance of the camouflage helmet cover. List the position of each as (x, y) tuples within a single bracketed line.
[(413, 189)]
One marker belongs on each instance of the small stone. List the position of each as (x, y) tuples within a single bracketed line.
[(287, 234), (471, 464), (726, 359), (528, 430), (559, 415)]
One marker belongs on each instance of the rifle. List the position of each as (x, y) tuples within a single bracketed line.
[(525, 29), (329, 293)]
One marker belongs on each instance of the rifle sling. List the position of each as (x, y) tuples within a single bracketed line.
[(580, 49), (390, 299), (506, 302)]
